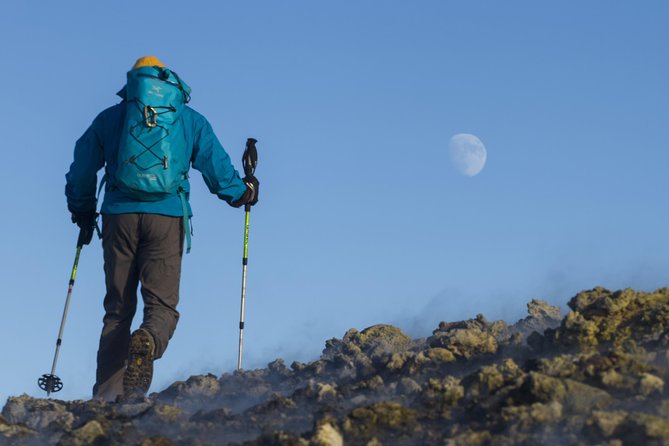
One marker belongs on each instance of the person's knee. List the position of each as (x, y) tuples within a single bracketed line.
[(161, 328), (116, 310)]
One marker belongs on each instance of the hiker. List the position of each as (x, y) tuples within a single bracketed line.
[(146, 143)]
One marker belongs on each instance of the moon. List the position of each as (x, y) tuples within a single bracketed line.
[(468, 154)]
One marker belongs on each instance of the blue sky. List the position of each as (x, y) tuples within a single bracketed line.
[(362, 218)]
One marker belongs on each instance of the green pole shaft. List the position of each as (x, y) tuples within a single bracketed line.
[(65, 310), (245, 260)]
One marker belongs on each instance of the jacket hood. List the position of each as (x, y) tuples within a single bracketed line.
[(172, 78)]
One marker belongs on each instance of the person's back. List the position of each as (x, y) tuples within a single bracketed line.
[(144, 222)]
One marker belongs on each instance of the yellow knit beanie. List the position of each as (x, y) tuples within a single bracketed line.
[(148, 61)]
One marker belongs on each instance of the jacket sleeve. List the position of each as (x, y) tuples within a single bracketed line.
[(213, 162), (82, 177)]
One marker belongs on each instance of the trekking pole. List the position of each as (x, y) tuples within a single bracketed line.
[(249, 161), (50, 382)]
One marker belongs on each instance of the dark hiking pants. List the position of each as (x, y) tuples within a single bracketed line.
[(138, 249)]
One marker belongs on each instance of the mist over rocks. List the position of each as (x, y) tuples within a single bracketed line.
[(596, 376)]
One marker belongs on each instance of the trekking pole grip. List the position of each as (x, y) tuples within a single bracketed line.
[(250, 158)]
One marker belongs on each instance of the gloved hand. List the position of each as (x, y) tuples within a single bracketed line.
[(250, 196), (86, 223), (253, 186)]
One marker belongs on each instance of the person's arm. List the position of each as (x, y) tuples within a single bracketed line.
[(81, 179), (213, 162)]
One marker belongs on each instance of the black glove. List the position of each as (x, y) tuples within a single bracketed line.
[(250, 195), (253, 188), (86, 222)]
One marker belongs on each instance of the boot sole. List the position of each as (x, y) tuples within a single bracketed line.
[(139, 373)]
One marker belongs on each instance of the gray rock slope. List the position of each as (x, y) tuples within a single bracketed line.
[(596, 376)]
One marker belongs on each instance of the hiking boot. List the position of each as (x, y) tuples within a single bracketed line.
[(139, 372)]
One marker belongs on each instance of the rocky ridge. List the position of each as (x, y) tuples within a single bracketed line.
[(596, 376)]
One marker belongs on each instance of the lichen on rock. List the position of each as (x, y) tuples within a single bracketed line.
[(466, 339)]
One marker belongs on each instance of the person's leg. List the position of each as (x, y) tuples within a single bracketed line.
[(159, 261), (119, 243), (159, 257)]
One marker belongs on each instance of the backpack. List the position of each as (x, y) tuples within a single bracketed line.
[(152, 155), (152, 158)]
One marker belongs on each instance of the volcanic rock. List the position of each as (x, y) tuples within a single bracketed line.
[(596, 376)]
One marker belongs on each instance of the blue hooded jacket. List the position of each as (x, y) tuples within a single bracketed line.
[(98, 148)]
